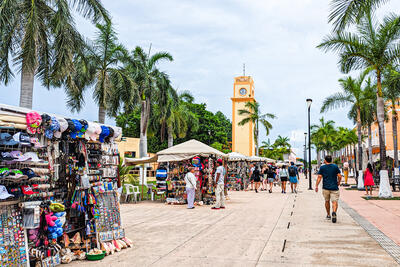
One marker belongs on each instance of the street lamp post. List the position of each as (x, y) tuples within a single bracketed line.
[(309, 101), (305, 153)]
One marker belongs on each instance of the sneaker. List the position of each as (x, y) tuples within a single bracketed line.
[(295, 191), (214, 208), (328, 217), (334, 217), (270, 191), (256, 191)]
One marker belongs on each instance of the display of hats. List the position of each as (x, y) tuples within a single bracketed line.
[(81, 133), (4, 193), (77, 128), (110, 135), (54, 125), (105, 132), (28, 172), (18, 156), (33, 121), (32, 156), (117, 132), (7, 139), (63, 126), (22, 138), (90, 132)]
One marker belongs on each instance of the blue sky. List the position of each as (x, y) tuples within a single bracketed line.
[(210, 41)]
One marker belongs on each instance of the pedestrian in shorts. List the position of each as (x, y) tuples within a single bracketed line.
[(330, 175)]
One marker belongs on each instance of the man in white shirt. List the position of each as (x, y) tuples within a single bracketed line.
[(219, 178), (191, 181)]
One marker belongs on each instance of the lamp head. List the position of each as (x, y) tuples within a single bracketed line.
[(305, 134), (309, 101)]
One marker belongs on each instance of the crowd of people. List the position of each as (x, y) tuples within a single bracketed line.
[(266, 177)]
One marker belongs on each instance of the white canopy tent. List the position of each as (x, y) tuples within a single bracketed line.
[(188, 150), (234, 156)]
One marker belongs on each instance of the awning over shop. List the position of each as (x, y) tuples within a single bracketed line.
[(188, 150), (234, 156), (139, 161)]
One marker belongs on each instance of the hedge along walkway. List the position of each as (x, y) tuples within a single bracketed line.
[(255, 230)]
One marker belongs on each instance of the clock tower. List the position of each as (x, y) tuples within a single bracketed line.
[(242, 136)]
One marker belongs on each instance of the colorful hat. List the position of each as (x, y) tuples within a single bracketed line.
[(33, 121), (81, 133), (63, 127), (76, 129), (90, 132), (22, 138), (7, 139), (54, 125), (117, 132), (18, 156), (6, 156), (105, 132), (33, 156), (4, 193), (28, 172)]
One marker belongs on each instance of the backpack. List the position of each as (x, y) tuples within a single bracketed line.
[(292, 171)]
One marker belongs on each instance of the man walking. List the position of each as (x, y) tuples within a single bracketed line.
[(191, 181), (293, 177), (331, 177), (219, 182)]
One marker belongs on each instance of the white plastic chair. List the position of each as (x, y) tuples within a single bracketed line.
[(150, 188), (131, 190)]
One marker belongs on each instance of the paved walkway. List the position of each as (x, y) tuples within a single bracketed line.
[(255, 230), (383, 214)]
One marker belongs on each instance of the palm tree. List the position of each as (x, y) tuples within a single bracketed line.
[(40, 37), (100, 68), (253, 114), (392, 93), (149, 81), (323, 136), (346, 12), (353, 93), (373, 47), (282, 142)]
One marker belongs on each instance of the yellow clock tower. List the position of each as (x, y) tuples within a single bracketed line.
[(242, 136)]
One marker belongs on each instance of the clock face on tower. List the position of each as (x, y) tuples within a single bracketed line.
[(242, 91)]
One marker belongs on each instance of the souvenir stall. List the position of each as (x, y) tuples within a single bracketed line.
[(190, 154), (58, 189), (238, 170)]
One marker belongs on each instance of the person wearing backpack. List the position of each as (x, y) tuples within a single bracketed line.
[(283, 175), (293, 177)]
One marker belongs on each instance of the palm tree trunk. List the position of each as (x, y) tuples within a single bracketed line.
[(170, 137), (27, 81), (144, 119), (370, 143), (102, 113), (359, 139), (395, 145), (381, 122)]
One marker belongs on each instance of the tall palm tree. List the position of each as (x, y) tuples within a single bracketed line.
[(282, 142), (100, 68), (41, 39), (347, 12), (323, 136), (353, 93), (253, 114), (373, 47), (149, 81), (392, 93)]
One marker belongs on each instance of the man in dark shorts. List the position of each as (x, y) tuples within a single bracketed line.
[(330, 175)]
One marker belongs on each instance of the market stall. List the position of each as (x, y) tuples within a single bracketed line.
[(238, 171), (58, 189), (179, 158)]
